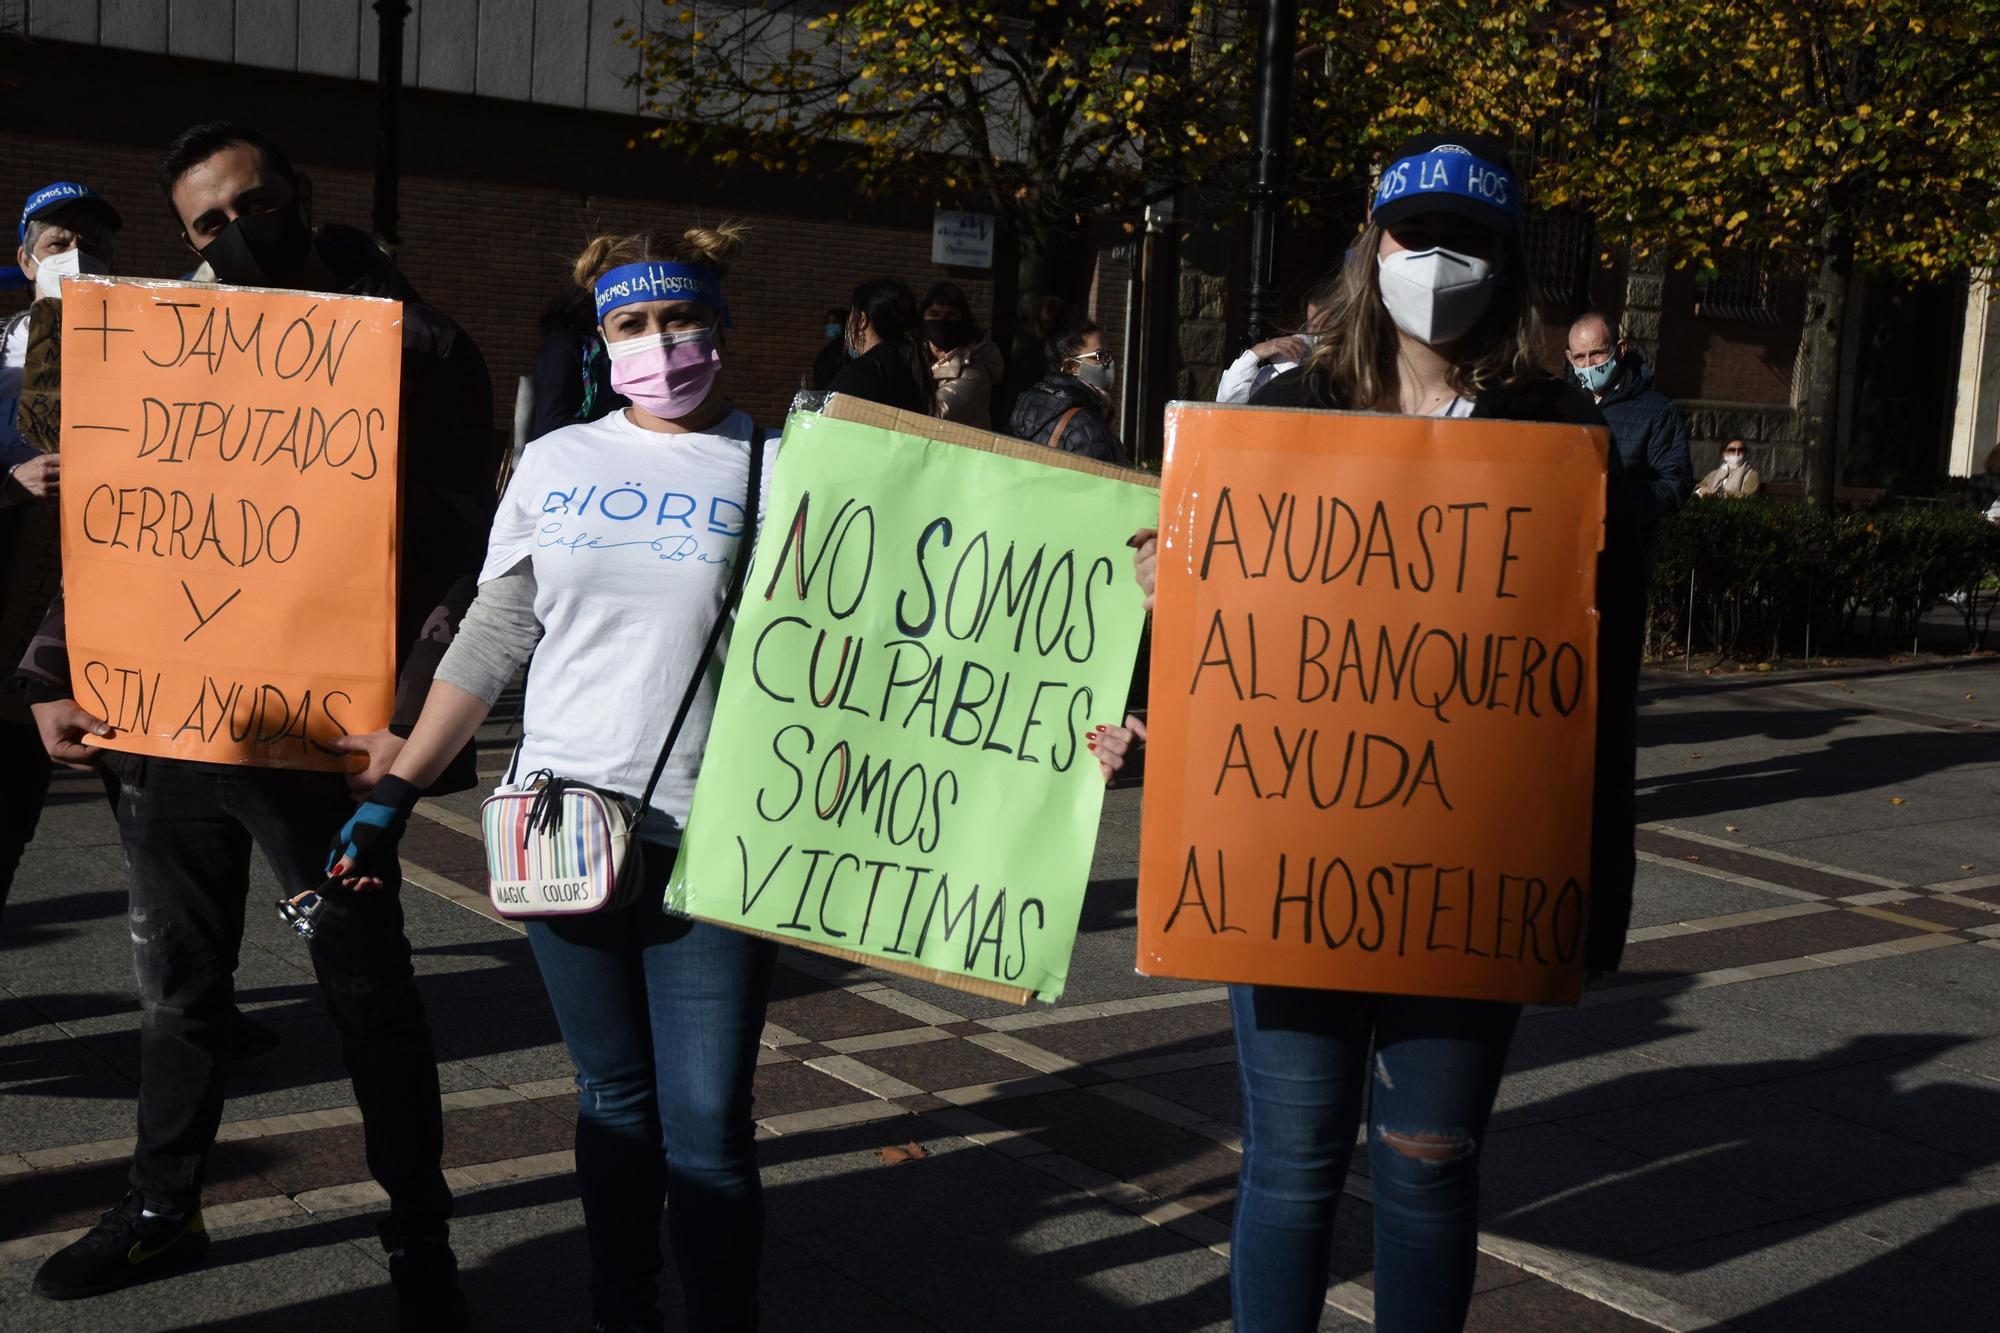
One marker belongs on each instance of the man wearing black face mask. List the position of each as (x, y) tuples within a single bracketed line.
[(188, 828)]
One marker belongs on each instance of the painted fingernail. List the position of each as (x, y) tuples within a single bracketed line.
[(1091, 744)]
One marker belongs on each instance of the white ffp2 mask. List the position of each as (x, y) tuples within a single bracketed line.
[(1435, 295), (71, 263)]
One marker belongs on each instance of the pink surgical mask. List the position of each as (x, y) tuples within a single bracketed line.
[(668, 374)]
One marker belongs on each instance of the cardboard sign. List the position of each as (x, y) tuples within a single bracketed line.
[(1373, 704), (230, 517), (897, 771)]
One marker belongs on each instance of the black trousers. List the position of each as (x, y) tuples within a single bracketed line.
[(188, 830), (24, 785)]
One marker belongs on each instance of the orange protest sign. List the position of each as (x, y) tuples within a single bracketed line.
[(230, 508), (1373, 704)]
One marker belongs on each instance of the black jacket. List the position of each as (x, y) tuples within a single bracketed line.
[(1042, 405), (1652, 440), (828, 362), (1621, 605), (451, 464), (571, 368), (881, 375)]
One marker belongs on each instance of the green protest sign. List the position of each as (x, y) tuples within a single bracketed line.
[(897, 768)]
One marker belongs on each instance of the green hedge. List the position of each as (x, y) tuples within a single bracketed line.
[(1769, 577)]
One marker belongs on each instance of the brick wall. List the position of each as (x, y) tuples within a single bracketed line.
[(496, 197), (491, 255), (1722, 359)]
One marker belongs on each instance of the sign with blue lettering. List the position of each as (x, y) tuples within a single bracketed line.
[(962, 240)]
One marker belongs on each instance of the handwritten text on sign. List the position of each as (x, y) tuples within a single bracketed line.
[(897, 765), (1373, 704), (230, 509)]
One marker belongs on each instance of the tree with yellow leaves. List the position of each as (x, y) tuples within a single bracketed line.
[(1828, 134), (1043, 112), (1375, 72)]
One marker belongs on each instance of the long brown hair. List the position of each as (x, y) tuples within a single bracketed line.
[(1354, 364)]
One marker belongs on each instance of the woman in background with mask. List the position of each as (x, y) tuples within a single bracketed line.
[(832, 354), (608, 563), (1433, 316), (886, 365), (965, 365), (1735, 478), (1066, 408)]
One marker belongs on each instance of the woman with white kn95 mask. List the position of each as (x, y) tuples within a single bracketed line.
[(1432, 315)]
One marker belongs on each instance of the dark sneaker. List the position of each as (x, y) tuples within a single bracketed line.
[(125, 1248), (425, 1274)]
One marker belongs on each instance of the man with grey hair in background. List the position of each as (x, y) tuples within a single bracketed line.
[(1647, 428), (66, 229)]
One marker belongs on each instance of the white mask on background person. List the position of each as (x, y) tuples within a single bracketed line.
[(71, 263), (1435, 295), (1732, 461)]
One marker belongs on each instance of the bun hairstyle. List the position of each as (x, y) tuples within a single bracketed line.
[(716, 246)]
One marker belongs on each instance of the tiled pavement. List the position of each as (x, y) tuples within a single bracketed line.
[(1784, 1113)]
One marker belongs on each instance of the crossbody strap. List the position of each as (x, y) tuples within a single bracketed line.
[(745, 544), (1055, 436)]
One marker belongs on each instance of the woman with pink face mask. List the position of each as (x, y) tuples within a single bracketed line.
[(609, 560)]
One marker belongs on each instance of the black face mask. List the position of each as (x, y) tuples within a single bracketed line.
[(950, 334), (261, 249)]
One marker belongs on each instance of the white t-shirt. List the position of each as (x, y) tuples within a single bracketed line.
[(632, 535)]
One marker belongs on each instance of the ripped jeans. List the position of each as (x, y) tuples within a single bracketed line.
[(1304, 1058), (661, 1016)]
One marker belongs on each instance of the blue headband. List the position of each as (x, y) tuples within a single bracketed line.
[(1454, 172), (656, 280)]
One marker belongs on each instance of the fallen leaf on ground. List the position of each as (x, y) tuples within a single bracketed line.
[(1897, 800), (909, 1152), (1690, 857), (1730, 828), (1965, 867), (1968, 694)]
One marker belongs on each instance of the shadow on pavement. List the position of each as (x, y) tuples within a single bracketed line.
[(1790, 723), (1844, 766)]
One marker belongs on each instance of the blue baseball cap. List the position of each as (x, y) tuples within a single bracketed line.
[(1467, 175), (65, 194)]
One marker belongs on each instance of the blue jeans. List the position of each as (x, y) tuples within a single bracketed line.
[(1303, 1057), (661, 1016)]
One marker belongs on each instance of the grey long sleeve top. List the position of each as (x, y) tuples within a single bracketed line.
[(497, 636)]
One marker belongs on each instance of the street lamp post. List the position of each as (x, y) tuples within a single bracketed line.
[(388, 119), (1277, 36)]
